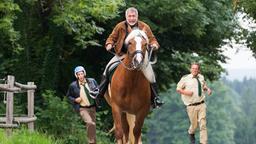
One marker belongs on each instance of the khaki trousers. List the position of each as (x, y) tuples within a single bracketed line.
[(197, 114), (89, 117)]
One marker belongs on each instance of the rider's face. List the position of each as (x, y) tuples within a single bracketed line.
[(131, 18)]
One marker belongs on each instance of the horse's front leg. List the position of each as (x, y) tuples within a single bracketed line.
[(125, 127), (140, 117), (118, 125)]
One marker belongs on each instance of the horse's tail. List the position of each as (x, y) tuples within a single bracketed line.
[(112, 129)]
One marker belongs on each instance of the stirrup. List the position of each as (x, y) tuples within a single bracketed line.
[(99, 102), (157, 103)]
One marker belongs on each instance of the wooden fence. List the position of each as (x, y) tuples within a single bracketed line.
[(9, 121)]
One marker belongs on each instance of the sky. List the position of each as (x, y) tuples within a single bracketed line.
[(241, 63)]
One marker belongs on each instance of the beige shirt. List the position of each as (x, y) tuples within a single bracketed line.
[(188, 82)]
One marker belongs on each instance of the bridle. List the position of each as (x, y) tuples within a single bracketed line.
[(131, 65), (137, 35)]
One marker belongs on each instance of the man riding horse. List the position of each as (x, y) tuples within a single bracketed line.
[(116, 41)]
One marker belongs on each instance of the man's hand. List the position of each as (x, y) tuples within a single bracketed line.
[(209, 91), (78, 100), (154, 46), (109, 47)]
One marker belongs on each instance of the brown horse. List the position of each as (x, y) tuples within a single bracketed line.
[(129, 92)]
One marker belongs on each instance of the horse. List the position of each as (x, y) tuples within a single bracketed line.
[(129, 92)]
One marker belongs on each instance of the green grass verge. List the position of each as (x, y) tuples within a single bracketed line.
[(23, 136)]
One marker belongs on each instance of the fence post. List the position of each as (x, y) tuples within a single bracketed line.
[(9, 105), (30, 96)]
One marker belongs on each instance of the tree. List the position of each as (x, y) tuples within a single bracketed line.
[(245, 119), (9, 37), (249, 7)]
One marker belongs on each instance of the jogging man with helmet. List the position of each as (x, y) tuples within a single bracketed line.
[(82, 93)]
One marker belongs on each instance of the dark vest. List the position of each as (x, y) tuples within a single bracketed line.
[(74, 92)]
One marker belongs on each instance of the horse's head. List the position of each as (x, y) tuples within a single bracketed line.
[(136, 43)]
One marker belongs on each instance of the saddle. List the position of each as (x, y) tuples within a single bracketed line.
[(111, 69)]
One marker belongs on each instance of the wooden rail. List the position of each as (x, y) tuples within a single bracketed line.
[(10, 88)]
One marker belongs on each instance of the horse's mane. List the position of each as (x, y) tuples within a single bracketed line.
[(134, 33)]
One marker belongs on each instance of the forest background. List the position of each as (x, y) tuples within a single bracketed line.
[(43, 40)]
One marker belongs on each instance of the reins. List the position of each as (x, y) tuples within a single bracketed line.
[(131, 67)]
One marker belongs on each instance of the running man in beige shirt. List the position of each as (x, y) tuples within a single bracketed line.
[(192, 88)]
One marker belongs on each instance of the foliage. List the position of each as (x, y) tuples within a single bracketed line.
[(23, 136), (79, 18), (9, 36), (168, 124), (104, 125), (8, 11), (221, 109), (249, 7), (246, 118), (252, 43), (62, 122)]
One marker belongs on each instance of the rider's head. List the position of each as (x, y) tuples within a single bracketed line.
[(131, 15)]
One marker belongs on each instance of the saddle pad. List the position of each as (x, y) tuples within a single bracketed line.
[(111, 69)]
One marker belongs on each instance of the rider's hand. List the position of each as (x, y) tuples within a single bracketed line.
[(109, 47), (154, 46)]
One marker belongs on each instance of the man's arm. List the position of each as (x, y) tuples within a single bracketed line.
[(181, 88), (206, 88), (112, 38), (185, 92), (152, 40), (70, 95)]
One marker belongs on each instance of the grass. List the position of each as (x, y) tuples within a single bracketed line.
[(23, 136)]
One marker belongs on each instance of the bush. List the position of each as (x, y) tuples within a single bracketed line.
[(57, 118)]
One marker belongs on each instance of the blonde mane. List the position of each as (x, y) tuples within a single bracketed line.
[(136, 33)]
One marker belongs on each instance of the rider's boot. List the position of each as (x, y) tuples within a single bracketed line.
[(102, 89), (155, 100)]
